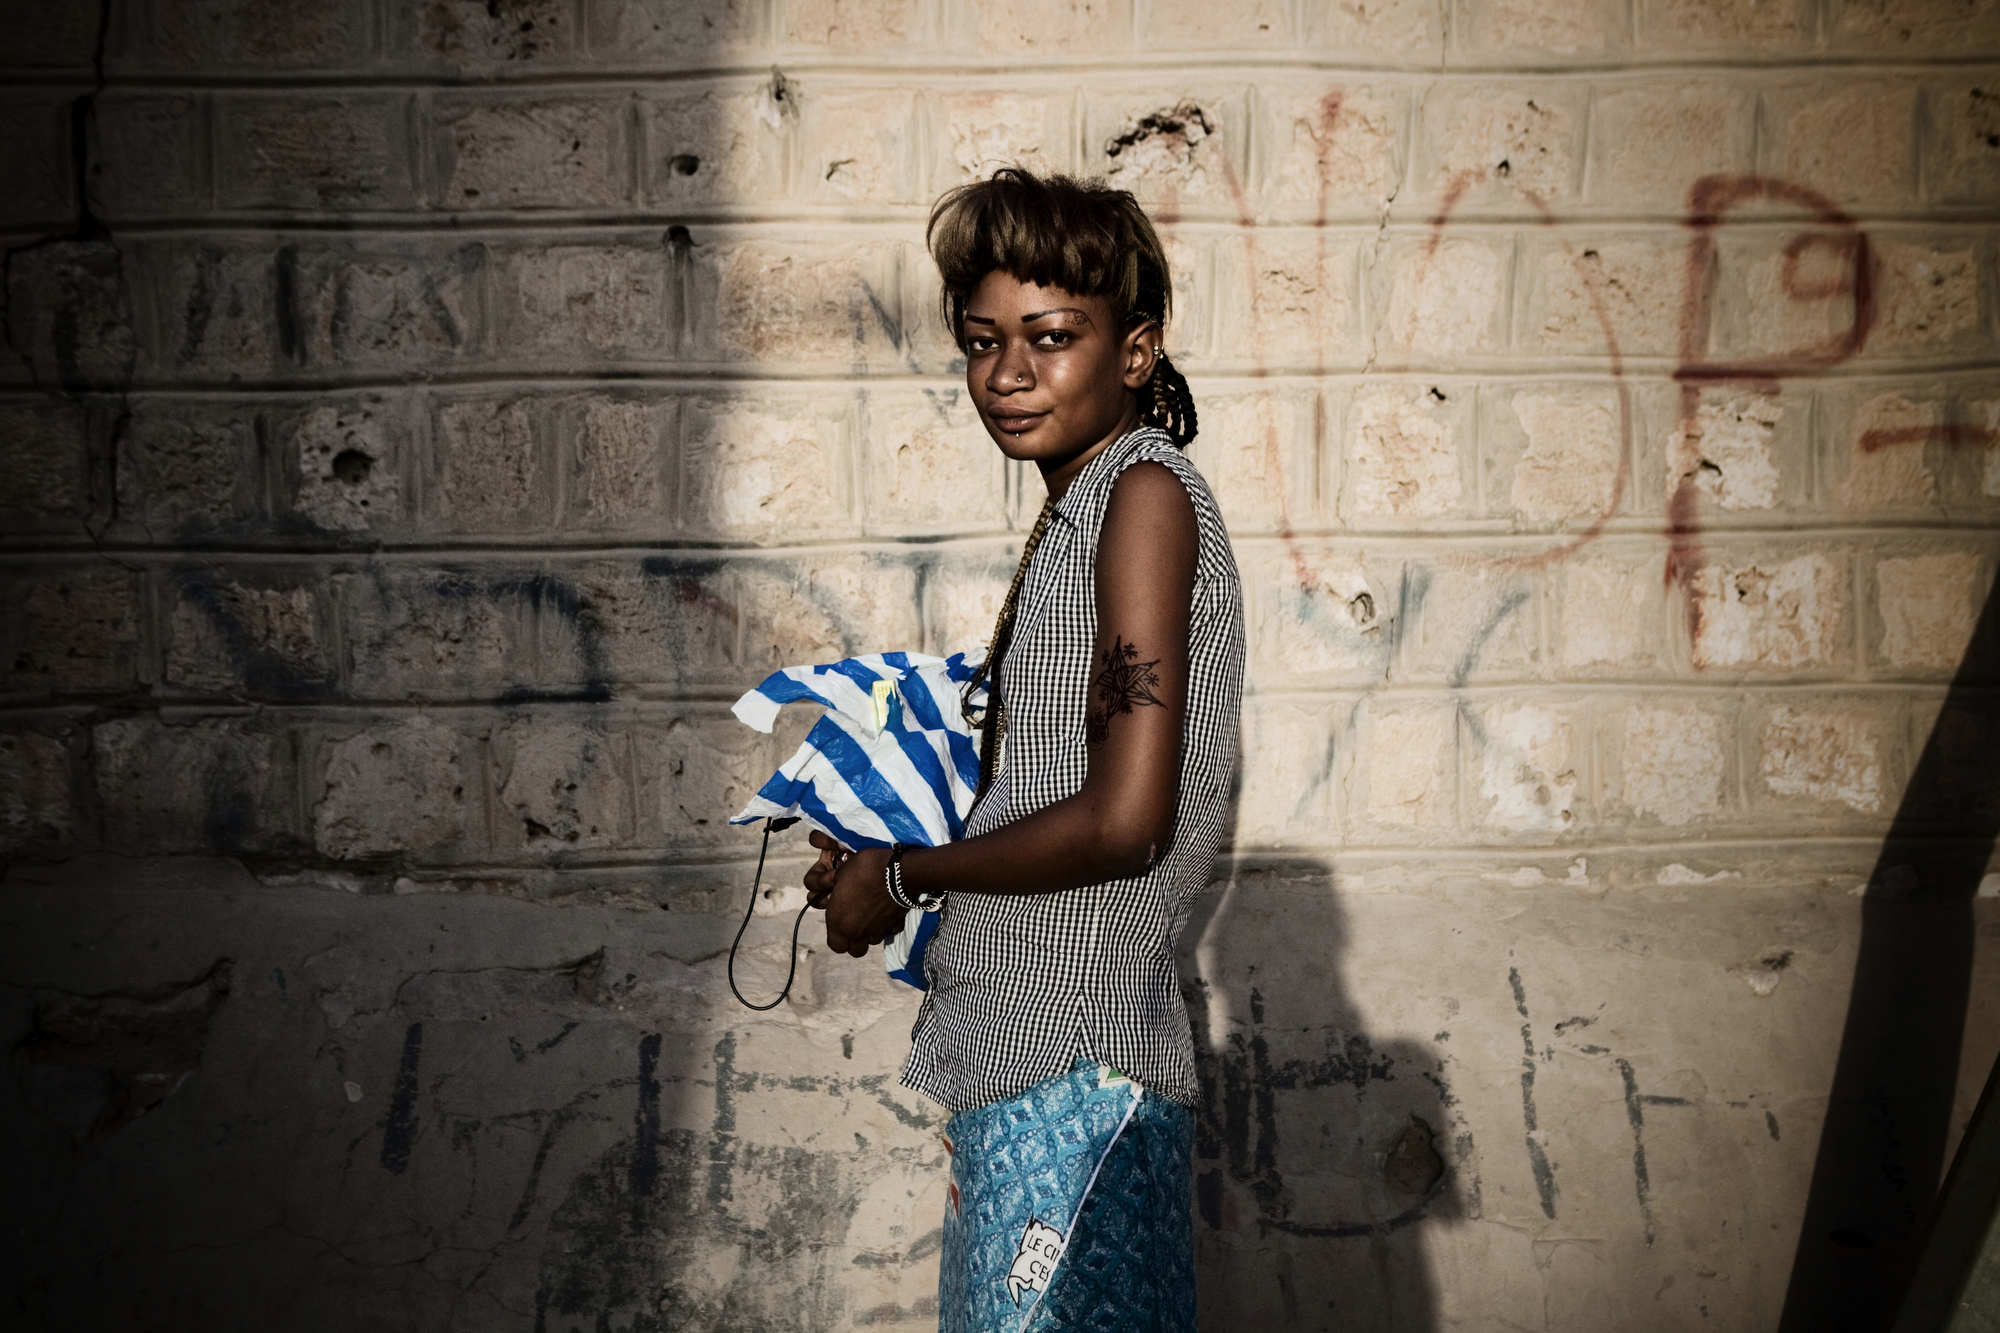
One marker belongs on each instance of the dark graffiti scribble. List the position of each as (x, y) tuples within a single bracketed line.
[(646, 1144), (1538, 1160), (1635, 1114), (1238, 1137), (400, 1130)]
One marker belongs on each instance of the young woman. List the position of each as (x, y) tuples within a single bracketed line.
[(1053, 1028)]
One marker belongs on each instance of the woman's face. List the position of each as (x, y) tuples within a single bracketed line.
[(1053, 375)]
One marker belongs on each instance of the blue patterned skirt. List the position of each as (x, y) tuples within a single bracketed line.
[(1069, 1211)]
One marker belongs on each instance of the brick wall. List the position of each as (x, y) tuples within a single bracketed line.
[(426, 418)]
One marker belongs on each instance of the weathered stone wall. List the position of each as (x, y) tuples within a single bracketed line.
[(424, 418)]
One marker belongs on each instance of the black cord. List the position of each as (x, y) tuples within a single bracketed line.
[(770, 826)]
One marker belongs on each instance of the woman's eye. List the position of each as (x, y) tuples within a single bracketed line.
[(1055, 338), (979, 344)]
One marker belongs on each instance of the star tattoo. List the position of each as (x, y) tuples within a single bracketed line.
[(1122, 684)]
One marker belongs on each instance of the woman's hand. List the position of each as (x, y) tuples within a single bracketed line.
[(819, 880), (852, 889)]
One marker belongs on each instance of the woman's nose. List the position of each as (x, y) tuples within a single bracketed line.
[(1011, 371)]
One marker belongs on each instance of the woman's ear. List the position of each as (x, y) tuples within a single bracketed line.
[(1142, 349)]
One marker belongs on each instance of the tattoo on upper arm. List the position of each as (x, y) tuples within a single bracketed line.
[(1122, 684)]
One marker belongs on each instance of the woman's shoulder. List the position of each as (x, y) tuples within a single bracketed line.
[(1158, 464), (1153, 485), (1157, 487)]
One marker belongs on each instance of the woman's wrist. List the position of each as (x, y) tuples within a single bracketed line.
[(906, 890), (892, 877)]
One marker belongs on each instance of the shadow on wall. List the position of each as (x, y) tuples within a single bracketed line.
[(1322, 1151), (426, 1111), (1881, 1154)]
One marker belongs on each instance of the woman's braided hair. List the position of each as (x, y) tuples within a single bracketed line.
[(993, 725), (1088, 239), (1169, 405)]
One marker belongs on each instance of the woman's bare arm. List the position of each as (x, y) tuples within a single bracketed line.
[(1119, 822)]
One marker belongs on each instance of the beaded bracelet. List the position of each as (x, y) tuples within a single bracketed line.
[(892, 876)]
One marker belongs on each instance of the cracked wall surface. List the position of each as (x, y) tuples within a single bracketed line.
[(421, 418)]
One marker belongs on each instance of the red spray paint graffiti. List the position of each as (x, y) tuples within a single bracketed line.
[(1953, 434), (1455, 191), (1710, 200), (1829, 261)]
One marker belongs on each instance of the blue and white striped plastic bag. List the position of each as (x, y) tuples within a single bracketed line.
[(893, 760)]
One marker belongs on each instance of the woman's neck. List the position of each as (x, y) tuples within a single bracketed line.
[(1058, 476)]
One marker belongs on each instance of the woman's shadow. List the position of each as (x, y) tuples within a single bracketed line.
[(1323, 1154)]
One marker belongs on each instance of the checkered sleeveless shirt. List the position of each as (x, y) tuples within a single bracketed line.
[(1022, 984)]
